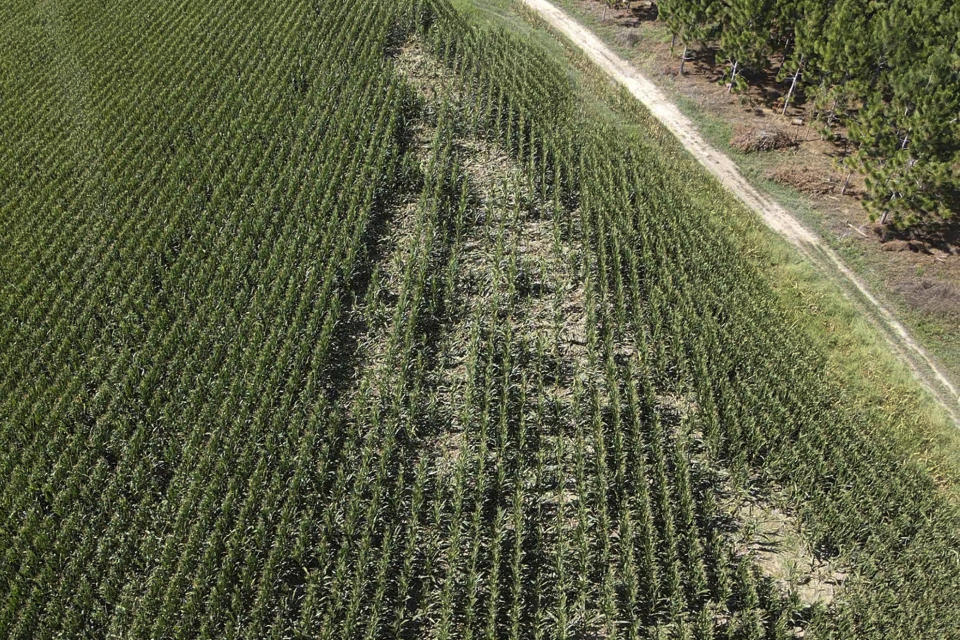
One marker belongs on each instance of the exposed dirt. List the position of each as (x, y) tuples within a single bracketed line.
[(430, 79), (775, 541), (450, 446), (515, 255), (930, 295), (756, 525), (676, 408), (508, 223), (927, 371)]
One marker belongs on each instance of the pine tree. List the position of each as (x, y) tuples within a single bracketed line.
[(885, 75), (907, 132), (690, 21), (746, 36), (915, 133)]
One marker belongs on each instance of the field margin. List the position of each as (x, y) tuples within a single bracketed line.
[(926, 370)]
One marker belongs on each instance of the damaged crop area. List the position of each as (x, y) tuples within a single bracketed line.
[(349, 320)]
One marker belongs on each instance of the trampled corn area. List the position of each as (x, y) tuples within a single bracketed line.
[(347, 320)]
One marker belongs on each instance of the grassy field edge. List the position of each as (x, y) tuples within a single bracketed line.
[(874, 380), (936, 337)]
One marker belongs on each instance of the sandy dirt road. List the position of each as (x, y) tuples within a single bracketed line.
[(927, 371)]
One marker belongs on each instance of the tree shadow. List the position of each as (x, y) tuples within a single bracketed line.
[(943, 235), (645, 11), (629, 14)]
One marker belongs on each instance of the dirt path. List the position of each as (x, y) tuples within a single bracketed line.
[(776, 217)]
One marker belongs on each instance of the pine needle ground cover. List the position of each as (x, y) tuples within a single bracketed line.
[(348, 320)]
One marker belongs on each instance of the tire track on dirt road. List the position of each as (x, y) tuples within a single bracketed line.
[(924, 367)]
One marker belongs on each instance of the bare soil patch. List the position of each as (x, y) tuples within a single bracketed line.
[(677, 408), (775, 541), (507, 223), (450, 446), (431, 79), (931, 296), (758, 525)]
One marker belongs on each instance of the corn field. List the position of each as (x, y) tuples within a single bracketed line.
[(347, 320)]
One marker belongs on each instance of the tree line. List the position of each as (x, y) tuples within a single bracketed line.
[(884, 76)]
